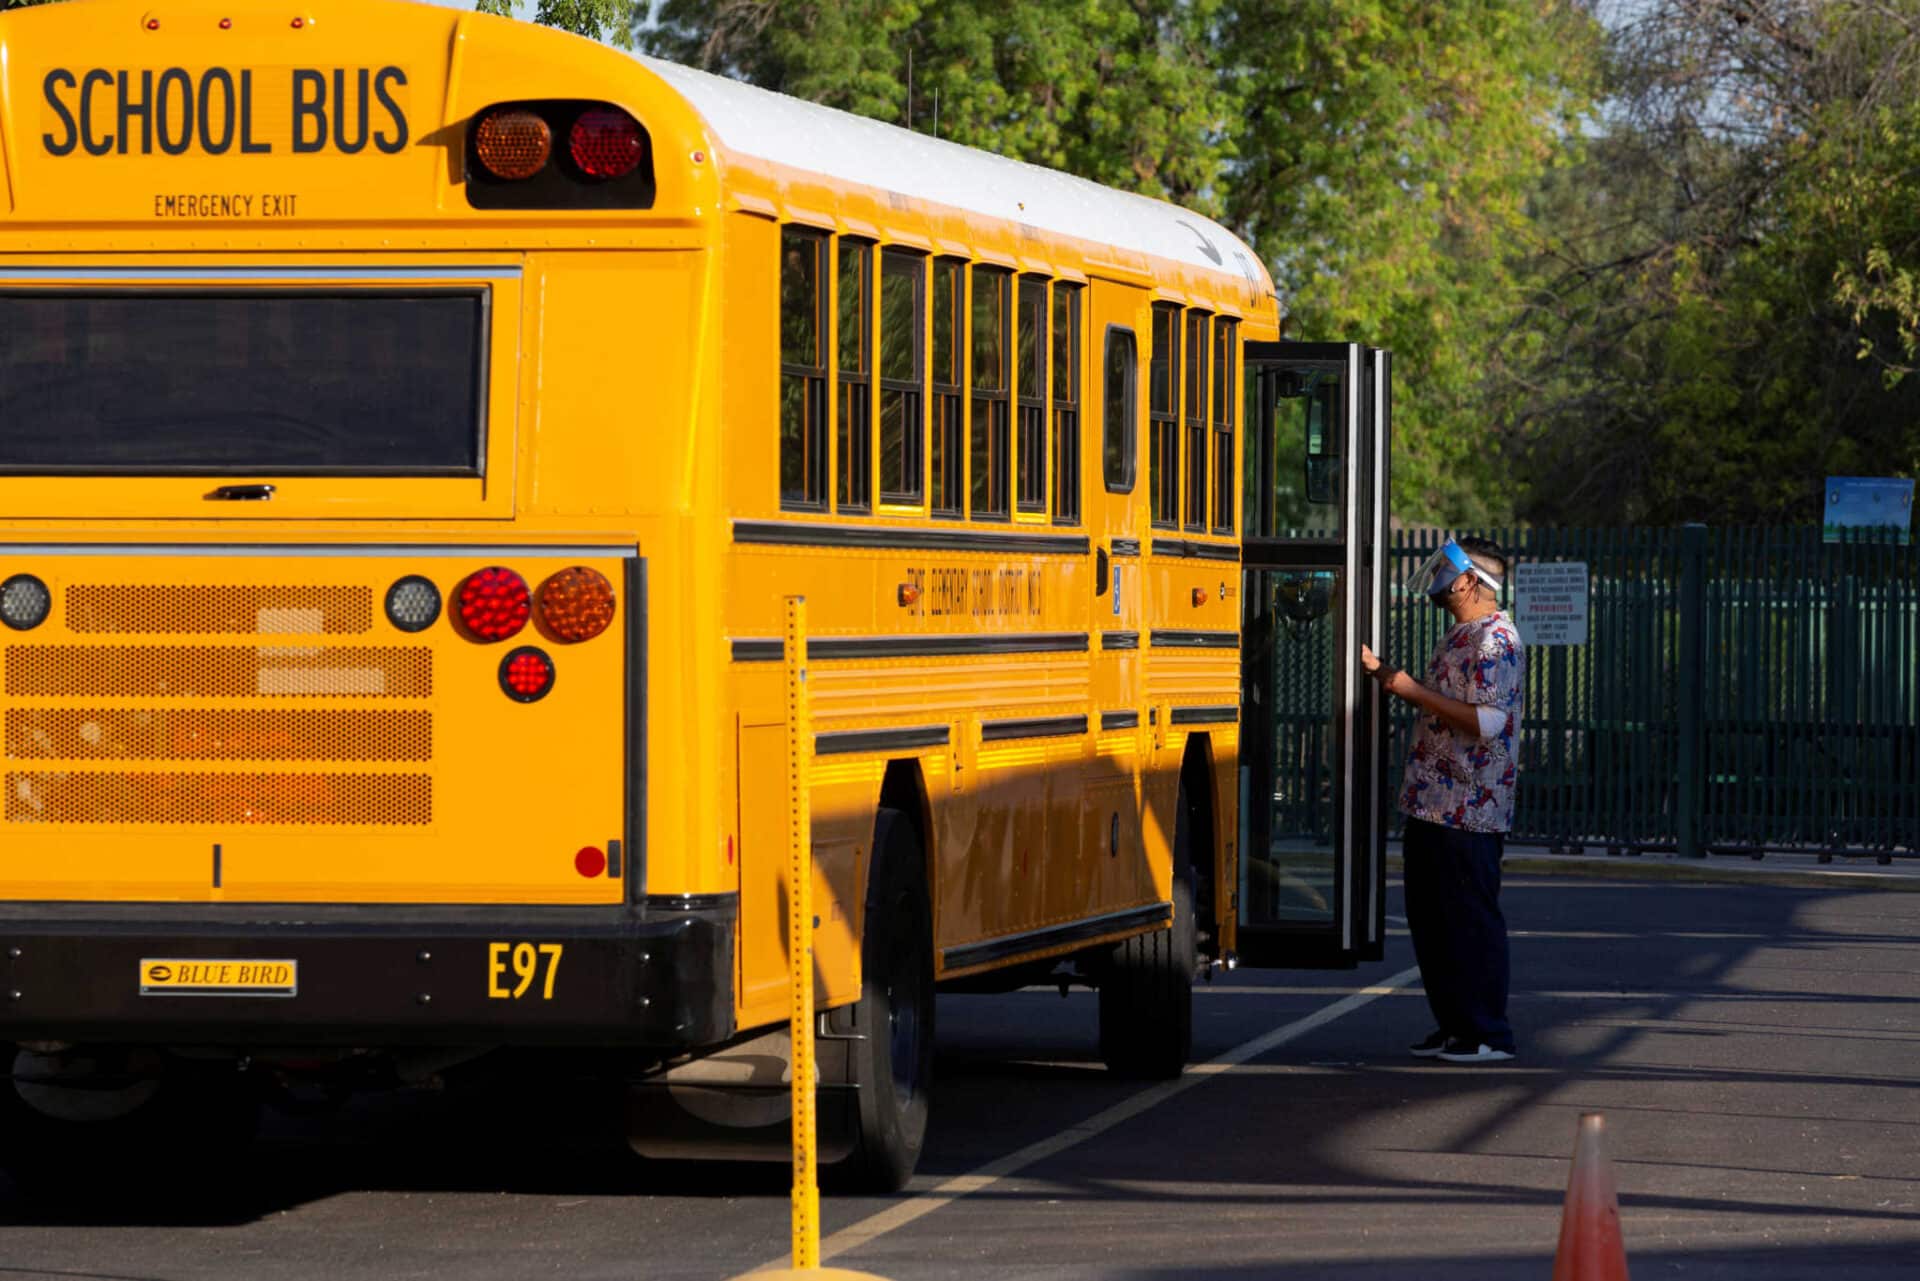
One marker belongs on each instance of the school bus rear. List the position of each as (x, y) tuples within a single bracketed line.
[(336, 472)]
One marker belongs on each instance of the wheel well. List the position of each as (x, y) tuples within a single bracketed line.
[(904, 790)]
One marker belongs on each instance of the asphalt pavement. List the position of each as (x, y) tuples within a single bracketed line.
[(1754, 1048)]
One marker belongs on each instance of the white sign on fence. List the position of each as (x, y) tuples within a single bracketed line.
[(1550, 602)]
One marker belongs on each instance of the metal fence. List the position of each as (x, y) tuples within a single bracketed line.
[(1741, 690)]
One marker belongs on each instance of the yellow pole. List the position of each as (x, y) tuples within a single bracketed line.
[(806, 1187)]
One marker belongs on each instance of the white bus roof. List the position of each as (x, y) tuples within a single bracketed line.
[(790, 131)]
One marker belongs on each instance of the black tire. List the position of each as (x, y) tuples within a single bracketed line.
[(191, 1119), (891, 1063), (1146, 985)]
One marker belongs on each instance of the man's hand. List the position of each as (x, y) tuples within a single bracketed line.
[(1373, 665)]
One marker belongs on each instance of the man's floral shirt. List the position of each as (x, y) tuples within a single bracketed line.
[(1451, 778)]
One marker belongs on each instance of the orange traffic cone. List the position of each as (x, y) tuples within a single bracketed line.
[(1590, 1245)]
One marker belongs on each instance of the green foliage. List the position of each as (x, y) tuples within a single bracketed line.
[(1726, 305), (1389, 153), (594, 19)]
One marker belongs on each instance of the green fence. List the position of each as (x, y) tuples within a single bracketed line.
[(1741, 690)]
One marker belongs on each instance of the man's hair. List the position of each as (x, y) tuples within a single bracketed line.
[(1488, 555)]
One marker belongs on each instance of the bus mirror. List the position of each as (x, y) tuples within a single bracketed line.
[(1323, 479)]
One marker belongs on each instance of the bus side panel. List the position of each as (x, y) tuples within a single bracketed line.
[(842, 833)]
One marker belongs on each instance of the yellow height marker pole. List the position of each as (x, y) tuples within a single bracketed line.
[(806, 1186)]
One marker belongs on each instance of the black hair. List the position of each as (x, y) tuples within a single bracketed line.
[(1478, 548)]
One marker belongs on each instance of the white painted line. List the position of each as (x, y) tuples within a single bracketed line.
[(1397, 920), (855, 1235)]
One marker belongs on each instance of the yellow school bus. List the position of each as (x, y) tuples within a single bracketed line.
[(411, 423)]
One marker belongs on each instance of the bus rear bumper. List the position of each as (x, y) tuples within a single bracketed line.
[(658, 974)]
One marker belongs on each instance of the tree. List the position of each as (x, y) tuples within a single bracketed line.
[(594, 19), (1724, 311)]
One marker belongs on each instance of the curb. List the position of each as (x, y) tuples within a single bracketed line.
[(1644, 869)]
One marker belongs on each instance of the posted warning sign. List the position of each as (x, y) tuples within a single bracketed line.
[(1550, 602)]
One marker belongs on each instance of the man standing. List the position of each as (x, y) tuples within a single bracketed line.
[(1458, 799)]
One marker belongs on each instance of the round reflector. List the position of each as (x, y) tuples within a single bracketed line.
[(493, 603), (526, 674), (605, 142), (590, 861), (24, 602), (413, 603), (576, 604), (513, 143)]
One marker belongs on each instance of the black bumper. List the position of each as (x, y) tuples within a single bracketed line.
[(657, 975)]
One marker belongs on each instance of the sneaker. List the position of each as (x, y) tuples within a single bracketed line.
[(1458, 1051), (1430, 1048)]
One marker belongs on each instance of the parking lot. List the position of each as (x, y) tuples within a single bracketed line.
[(1755, 1049)]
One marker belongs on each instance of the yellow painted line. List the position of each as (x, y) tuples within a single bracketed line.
[(982, 1177)]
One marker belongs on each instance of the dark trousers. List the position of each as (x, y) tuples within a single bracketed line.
[(1459, 934)]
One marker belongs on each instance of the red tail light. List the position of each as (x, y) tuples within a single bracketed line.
[(526, 675), (576, 604), (606, 143), (494, 603)]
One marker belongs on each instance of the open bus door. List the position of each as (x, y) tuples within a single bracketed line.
[(1313, 803)]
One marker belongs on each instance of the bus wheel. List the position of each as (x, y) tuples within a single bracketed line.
[(890, 1029), (1146, 984)]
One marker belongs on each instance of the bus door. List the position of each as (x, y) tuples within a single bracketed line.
[(1116, 524), (1313, 803)]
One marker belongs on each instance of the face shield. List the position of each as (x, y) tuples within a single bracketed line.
[(1437, 573)]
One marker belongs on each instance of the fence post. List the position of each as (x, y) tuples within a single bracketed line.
[(1691, 689)]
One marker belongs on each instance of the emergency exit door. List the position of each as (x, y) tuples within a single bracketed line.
[(1313, 804)]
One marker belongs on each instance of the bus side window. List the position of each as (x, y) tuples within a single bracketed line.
[(949, 392), (1030, 371), (992, 299), (1163, 415), (1225, 334), (855, 288), (903, 328), (1196, 448), (1117, 413), (803, 367), (1066, 404)]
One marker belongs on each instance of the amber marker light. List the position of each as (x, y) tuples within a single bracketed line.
[(513, 143), (576, 604)]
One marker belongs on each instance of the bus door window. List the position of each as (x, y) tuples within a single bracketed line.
[(1195, 454), (854, 288), (1066, 404), (1225, 336), (903, 323), (1163, 415), (948, 387), (1118, 433), (991, 313), (1030, 458), (803, 367)]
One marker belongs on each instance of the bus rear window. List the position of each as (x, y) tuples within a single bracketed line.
[(243, 382)]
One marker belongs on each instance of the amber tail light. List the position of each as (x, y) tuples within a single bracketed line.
[(576, 604)]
